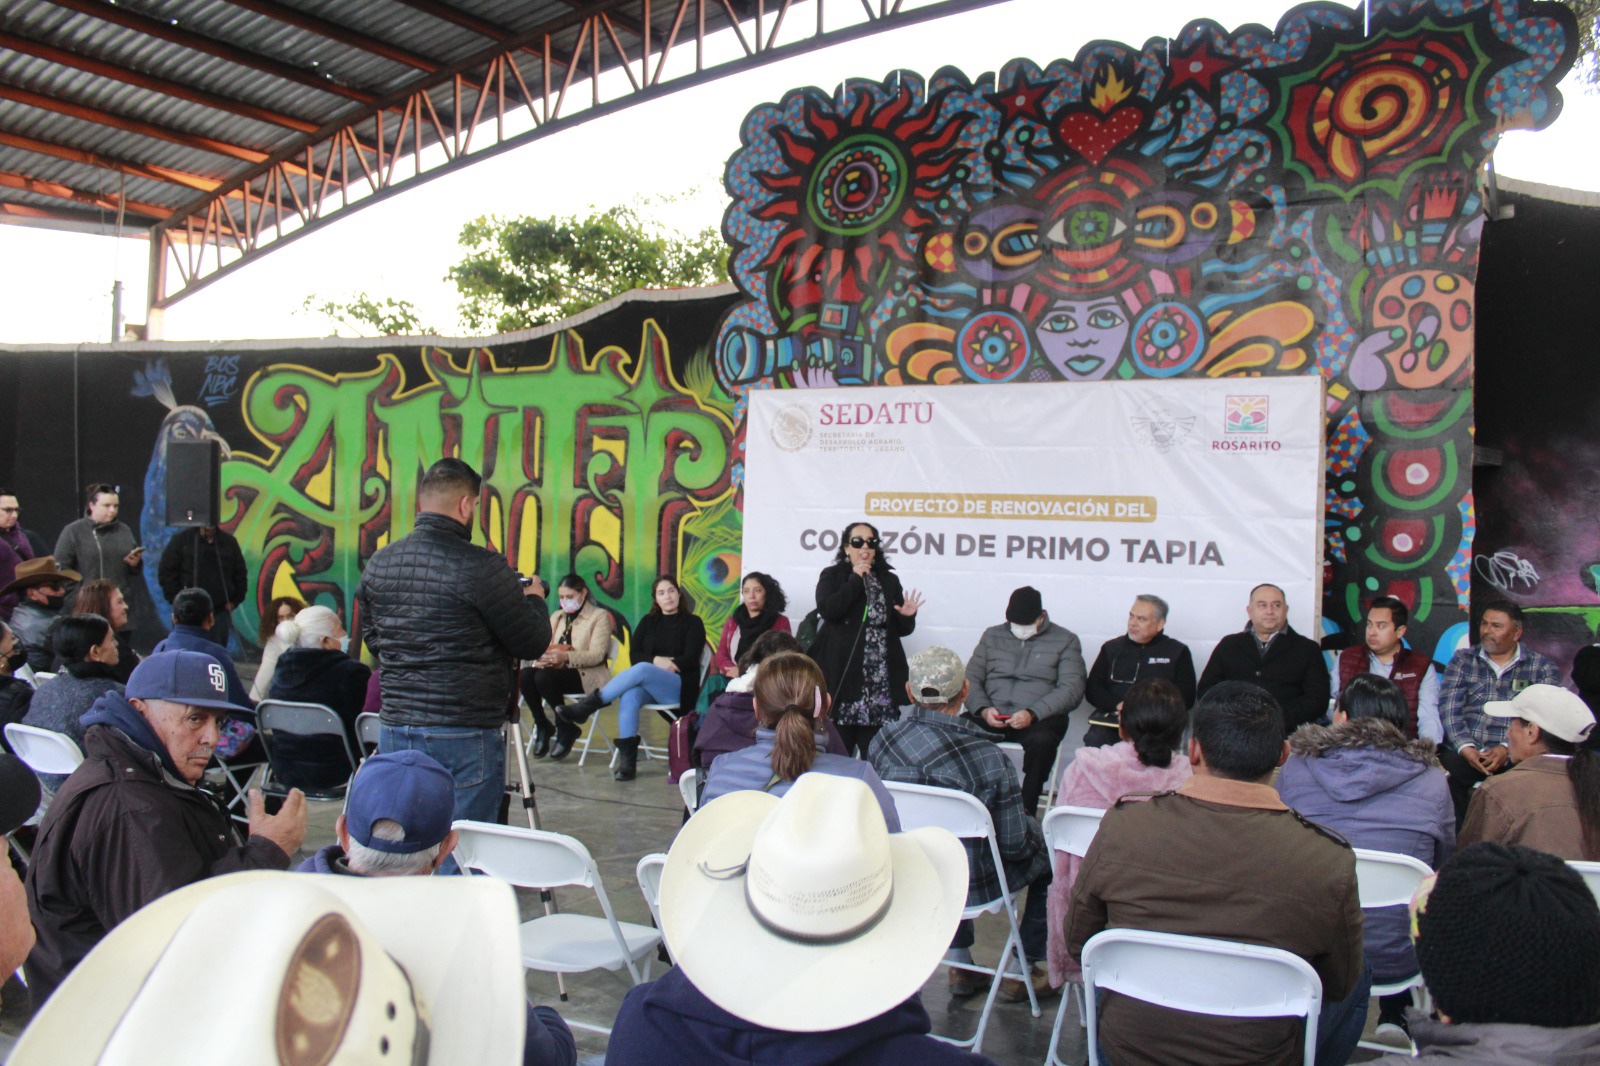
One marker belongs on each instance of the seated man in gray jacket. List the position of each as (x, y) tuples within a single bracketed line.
[(1027, 675)]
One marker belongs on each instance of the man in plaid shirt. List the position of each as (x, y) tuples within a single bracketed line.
[(1498, 668), (934, 745)]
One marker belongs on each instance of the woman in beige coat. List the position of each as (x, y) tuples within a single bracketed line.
[(575, 662)]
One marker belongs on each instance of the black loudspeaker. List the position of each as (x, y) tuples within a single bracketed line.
[(194, 483)]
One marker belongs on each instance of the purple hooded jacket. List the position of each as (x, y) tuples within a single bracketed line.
[(1366, 781)]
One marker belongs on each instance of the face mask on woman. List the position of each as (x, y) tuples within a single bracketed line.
[(571, 604), (344, 644)]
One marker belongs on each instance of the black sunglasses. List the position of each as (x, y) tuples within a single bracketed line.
[(864, 542)]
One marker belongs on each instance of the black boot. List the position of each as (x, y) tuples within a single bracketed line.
[(627, 759), (567, 735), (578, 713), (541, 740)]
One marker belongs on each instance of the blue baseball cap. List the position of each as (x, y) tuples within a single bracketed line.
[(408, 788), (192, 678)]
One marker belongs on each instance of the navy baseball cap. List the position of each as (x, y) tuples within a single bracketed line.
[(408, 788), (192, 678)]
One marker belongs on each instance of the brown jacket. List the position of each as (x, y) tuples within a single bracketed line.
[(590, 640), (1224, 859), (1532, 804)]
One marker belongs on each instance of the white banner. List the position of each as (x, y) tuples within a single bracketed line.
[(1194, 490)]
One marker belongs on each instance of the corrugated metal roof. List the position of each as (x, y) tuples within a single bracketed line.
[(230, 118)]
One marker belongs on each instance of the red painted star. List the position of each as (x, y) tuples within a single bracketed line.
[(1022, 100), (1201, 66)]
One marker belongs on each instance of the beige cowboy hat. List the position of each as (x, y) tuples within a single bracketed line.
[(804, 914), (289, 968), (40, 571)]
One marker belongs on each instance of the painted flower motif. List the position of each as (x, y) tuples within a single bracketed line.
[(854, 190)]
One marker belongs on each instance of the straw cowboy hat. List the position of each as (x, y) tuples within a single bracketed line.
[(40, 571), (279, 968), (804, 914)]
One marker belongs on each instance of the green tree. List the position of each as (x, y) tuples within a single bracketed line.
[(362, 313), (524, 272), (1588, 12)]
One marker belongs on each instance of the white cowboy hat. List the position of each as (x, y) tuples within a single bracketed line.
[(804, 914), (287, 968)]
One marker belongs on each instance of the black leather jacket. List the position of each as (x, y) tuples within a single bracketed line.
[(30, 624), (445, 619)]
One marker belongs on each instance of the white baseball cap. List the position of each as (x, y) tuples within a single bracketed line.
[(1551, 708)]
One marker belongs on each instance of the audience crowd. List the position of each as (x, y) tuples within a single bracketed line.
[(802, 913)]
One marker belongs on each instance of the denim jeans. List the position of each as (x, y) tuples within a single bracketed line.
[(1032, 923), (638, 685), (476, 758)]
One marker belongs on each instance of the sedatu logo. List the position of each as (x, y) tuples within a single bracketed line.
[(900, 413), (791, 428)]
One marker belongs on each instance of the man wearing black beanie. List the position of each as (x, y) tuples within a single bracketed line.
[(1509, 943)]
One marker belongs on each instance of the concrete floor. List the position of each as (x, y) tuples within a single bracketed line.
[(621, 821)]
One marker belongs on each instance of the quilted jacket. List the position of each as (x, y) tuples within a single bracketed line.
[(445, 619)]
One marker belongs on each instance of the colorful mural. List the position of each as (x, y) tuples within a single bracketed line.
[(1297, 202)]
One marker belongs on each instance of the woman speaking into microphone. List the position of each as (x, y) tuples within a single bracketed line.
[(864, 614)]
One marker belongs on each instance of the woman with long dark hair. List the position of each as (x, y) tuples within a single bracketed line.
[(280, 610), (575, 662), (86, 644), (666, 647), (1148, 758), (790, 702), (864, 613), (761, 607), (102, 597)]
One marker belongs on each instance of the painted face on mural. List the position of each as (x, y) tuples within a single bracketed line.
[(1083, 338)]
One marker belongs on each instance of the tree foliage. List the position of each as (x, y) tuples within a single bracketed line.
[(363, 313), (1588, 12), (523, 272)]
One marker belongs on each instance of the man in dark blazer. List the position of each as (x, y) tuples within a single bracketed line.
[(1271, 654)]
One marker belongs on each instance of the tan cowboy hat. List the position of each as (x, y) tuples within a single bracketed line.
[(40, 571), (804, 914), (273, 968)]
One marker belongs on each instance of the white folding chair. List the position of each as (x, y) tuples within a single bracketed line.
[(671, 711), (649, 874), (562, 942), (1387, 879), (1590, 872), (44, 750), (687, 789), (368, 727), (1069, 829), (277, 719), (594, 725), (960, 813), (1202, 976)]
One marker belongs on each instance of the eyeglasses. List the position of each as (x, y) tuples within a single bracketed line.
[(864, 542)]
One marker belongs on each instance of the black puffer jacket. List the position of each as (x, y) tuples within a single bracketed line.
[(445, 618)]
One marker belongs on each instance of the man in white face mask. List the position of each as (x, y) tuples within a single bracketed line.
[(1027, 675)]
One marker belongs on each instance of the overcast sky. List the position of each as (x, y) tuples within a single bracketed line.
[(54, 287)]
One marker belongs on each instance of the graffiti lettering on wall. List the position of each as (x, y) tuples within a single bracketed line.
[(605, 465), (1218, 205)]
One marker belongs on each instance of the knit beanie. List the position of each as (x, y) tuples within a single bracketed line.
[(1510, 935)]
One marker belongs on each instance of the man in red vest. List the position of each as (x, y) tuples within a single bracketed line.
[(1383, 654)]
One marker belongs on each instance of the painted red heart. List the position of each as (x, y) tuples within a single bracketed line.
[(1094, 136)]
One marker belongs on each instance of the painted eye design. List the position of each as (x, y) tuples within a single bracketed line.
[(1105, 318), (1060, 322)]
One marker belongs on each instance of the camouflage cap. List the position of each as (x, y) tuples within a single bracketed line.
[(936, 675)]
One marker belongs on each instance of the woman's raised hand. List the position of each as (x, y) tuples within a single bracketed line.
[(913, 600)]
